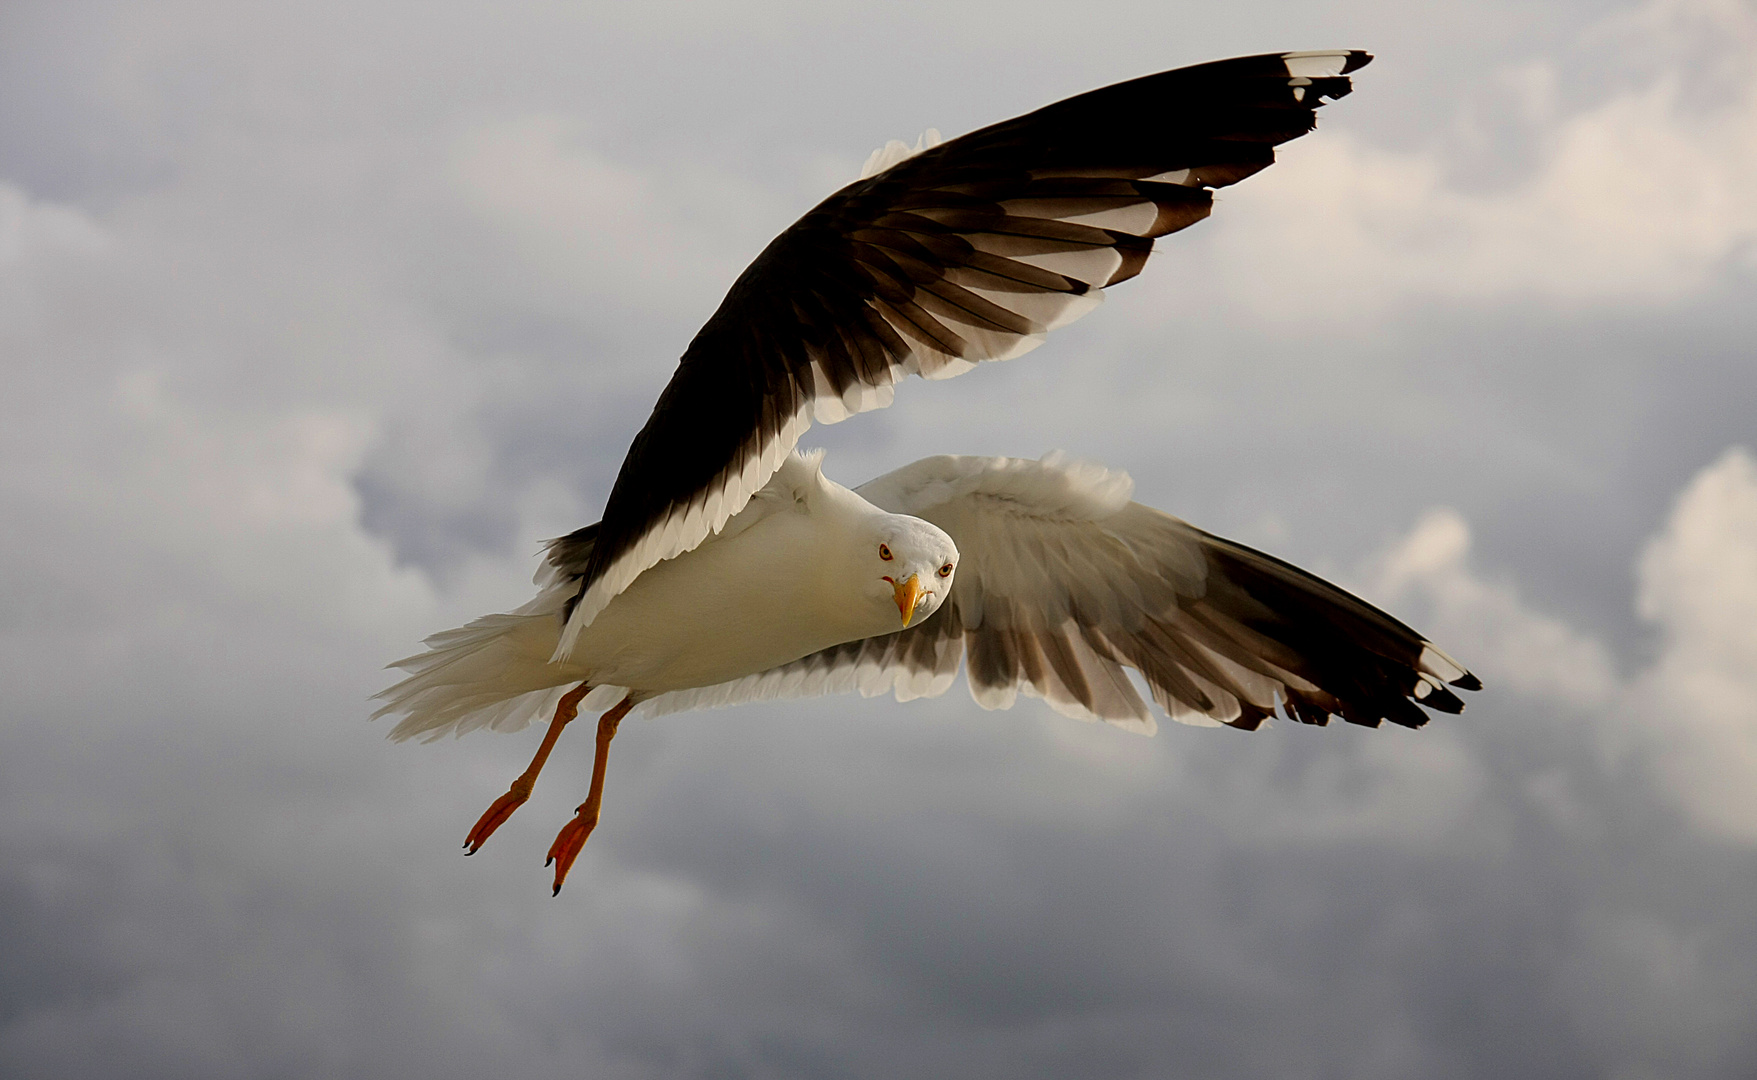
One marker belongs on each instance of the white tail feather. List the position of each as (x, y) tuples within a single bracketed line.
[(493, 673)]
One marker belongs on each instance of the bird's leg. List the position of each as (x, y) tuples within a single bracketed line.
[(573, 835), (565, 710)]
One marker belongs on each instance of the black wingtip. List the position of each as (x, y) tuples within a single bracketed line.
[(1357, 59), (1406, 713), (1440, 700), (1467, 681)]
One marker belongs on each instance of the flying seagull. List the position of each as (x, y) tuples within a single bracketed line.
[(728, 568)]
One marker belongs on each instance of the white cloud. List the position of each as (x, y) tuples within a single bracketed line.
[(31, 228), (212, 864), (1699, 700), (1641, 196), (1693, 710), (643, 236), (37, 239), (1487, 625)]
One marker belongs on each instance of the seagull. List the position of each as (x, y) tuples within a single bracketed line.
[(728, 568)]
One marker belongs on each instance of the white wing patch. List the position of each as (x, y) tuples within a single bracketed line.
[(1314, 65)]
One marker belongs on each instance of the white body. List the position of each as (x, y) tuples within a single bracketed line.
[(798, 570), (722, 611)]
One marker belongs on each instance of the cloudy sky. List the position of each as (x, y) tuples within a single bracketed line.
[(316, 318)]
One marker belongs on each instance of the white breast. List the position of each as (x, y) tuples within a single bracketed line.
[(737, 605)]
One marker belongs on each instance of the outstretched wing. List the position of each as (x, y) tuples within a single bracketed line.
[(1063, 584), (972, 250)]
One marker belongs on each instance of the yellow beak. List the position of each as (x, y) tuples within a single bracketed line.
[(908, 595)]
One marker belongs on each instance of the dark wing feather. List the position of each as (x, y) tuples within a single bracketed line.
[(1063, 585), (969, 251)]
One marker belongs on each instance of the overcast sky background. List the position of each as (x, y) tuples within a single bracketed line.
[(315, 319)]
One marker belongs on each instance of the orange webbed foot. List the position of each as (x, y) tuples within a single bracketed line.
[(569, 842), (494, 817), (573, 835)]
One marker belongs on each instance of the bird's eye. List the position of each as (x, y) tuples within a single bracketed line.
[(946, 570), (884, 552)]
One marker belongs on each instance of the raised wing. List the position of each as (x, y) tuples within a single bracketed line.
[(1063, 585), (972, 250)]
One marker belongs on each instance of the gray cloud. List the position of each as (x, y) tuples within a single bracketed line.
[(314, 321)]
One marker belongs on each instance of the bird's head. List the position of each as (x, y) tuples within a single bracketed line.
[(912, 564)]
